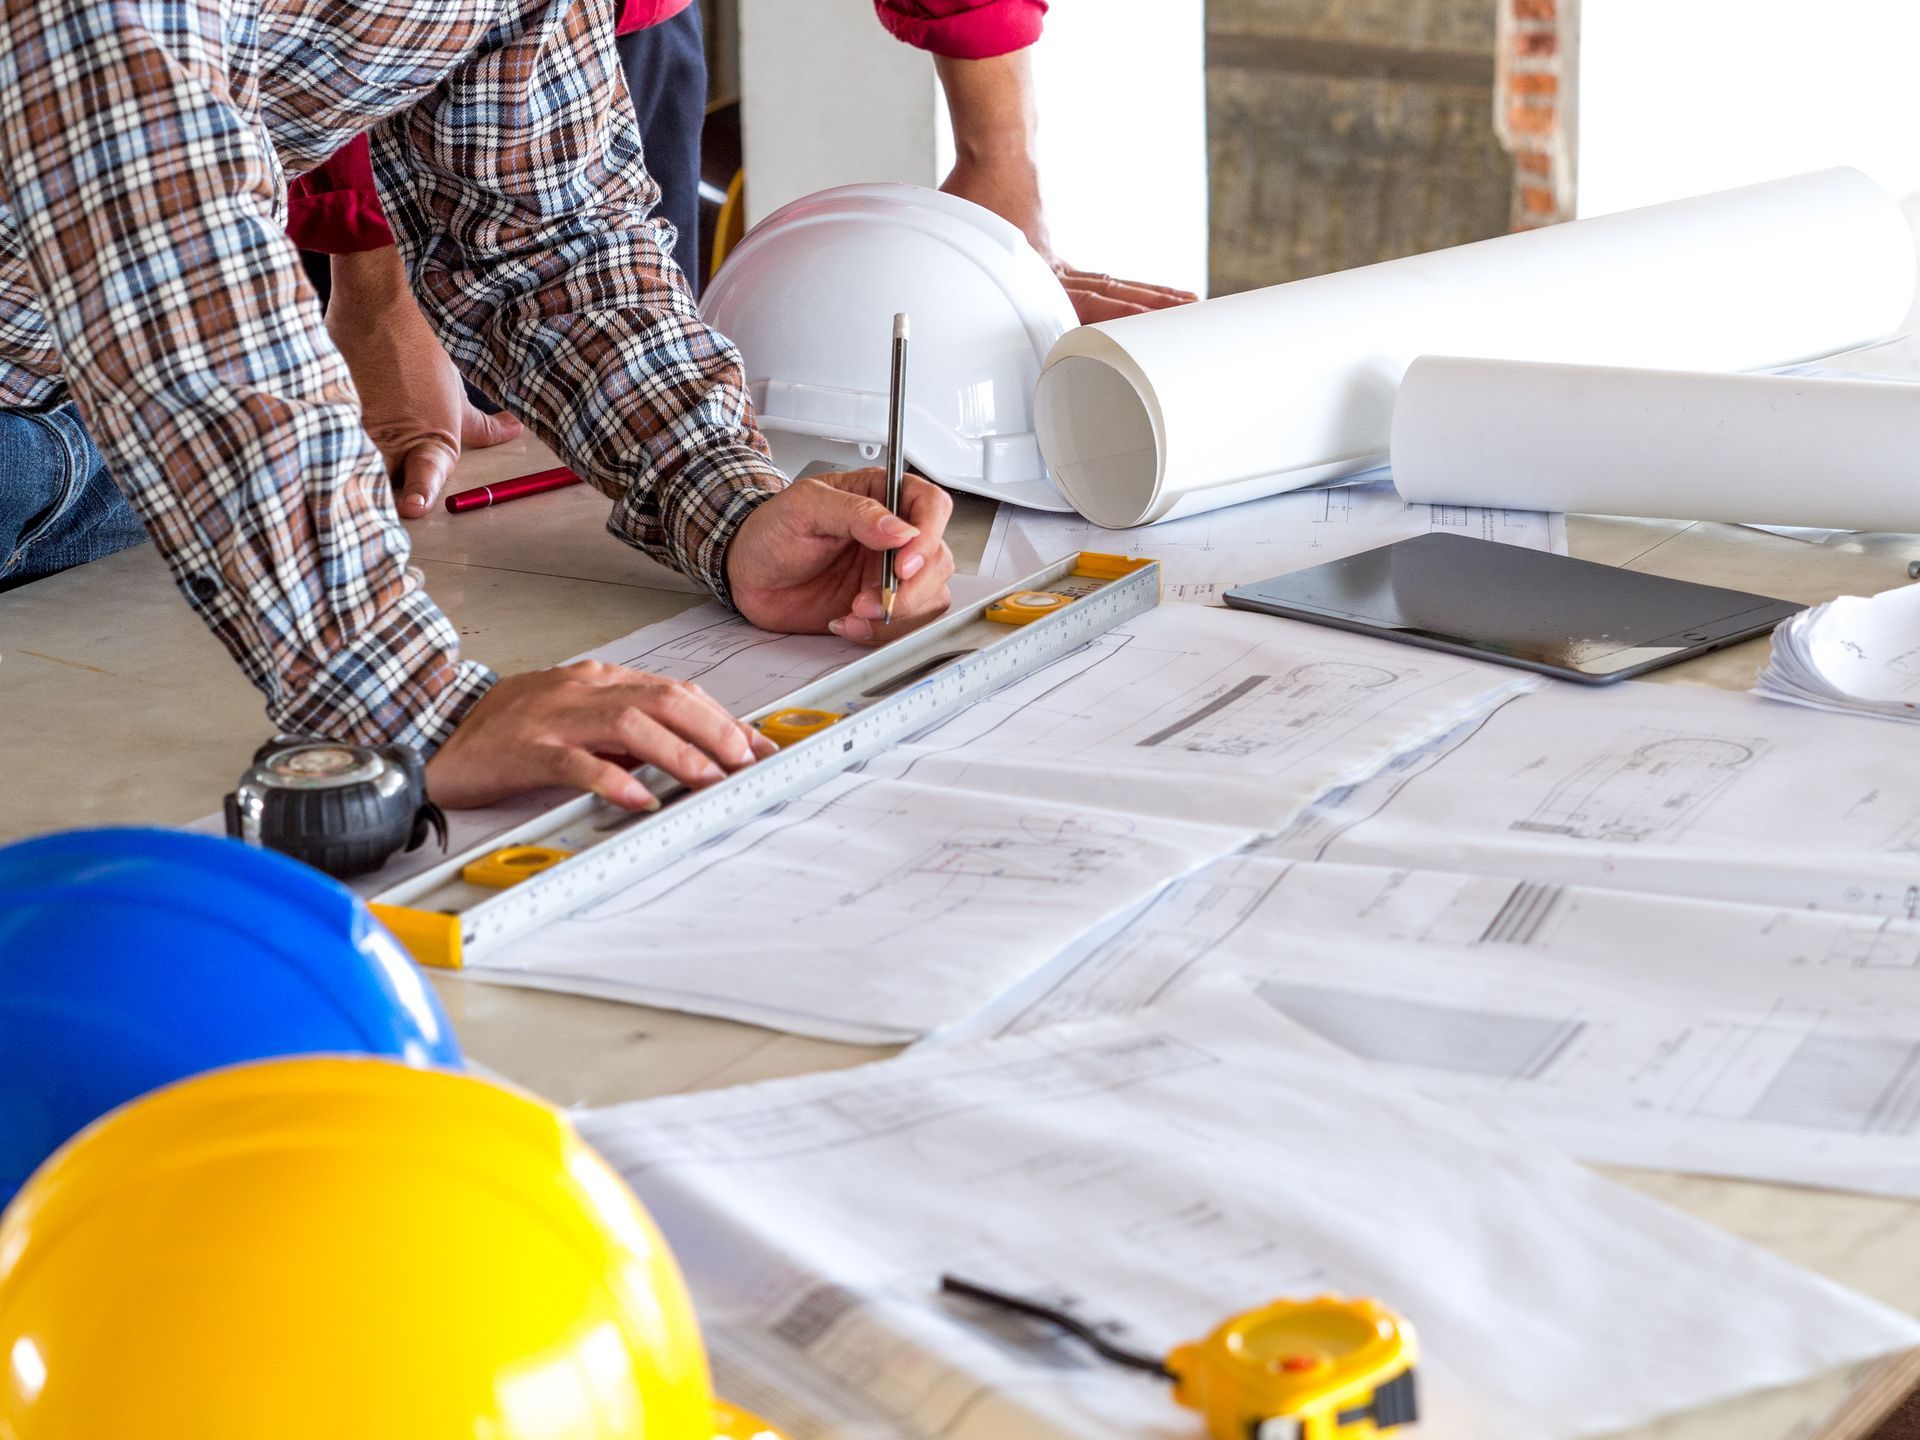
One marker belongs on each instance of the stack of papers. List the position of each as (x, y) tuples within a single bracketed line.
[(1856, 655), (1156, 1175), (909, 893)]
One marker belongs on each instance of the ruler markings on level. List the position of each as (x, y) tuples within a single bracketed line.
[(611, 847)]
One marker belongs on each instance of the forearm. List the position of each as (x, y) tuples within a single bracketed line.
[(552, 287), (196, 354), (995, 139), (995, 118)]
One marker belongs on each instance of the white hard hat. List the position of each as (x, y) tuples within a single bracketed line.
[(809, 295)]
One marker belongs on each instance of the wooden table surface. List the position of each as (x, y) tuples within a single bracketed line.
[(116, 706)]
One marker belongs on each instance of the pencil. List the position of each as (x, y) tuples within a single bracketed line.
[(896, 456)]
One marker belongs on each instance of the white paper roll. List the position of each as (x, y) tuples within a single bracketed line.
[(1770, 449), (1177, 411)]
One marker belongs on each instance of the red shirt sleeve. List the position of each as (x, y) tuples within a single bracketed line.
[(639, 14), (334, 209), (964, 29)]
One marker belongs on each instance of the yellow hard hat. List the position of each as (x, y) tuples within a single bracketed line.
[(340, 1248)]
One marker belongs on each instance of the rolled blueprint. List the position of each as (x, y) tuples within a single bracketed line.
[(1767, 449), (1177, 411)]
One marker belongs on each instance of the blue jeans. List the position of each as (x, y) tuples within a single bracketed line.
[(58, 506)]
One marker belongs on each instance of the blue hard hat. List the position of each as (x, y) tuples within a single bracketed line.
[(133, 958)]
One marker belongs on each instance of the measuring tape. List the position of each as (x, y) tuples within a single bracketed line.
[(344, 809), (479, 901), (1323, 1369)]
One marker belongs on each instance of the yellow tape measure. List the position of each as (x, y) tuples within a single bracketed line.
[(1323, 1369)]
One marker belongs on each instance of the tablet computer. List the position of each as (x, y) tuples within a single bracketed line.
[(1550, 613)]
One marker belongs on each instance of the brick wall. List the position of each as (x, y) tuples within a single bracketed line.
[(1533, 105)]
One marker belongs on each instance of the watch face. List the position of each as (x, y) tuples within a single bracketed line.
[(321, 766)]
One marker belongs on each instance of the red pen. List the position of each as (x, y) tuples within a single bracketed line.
[(537, 483)]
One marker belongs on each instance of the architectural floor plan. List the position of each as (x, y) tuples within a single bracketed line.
[(1117, 1169), (1663, 788), (1761, 1041), (868, 910)]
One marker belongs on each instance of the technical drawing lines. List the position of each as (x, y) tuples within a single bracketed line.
[(1207, 711), (815, 1311), (686, 656), (1651, 785), (984, 860), (1027, 858), (862, 1111), (1312, 833), (783, 662), (1906, 837), (1874, 945), (1866, 1084), (1393, 1031), (1524, 916), (1260, 712)]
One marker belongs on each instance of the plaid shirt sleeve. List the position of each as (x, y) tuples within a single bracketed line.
[(146, 206), (517, 193)]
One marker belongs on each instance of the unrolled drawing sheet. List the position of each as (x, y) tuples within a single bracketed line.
[(1205, 555), (1748, 1040), (1666, 789), (1157, 416), (1161, 1173), (908, 895), (1205, 714), (1774, 449), (867, 910)]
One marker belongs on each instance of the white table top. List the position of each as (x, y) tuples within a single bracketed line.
[(116, 706)]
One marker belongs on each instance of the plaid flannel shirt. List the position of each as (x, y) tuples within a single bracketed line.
[(143, 270)]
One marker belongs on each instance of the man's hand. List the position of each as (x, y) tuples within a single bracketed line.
[(586, 725), (412, 403), (994, 125), (1101, 297), (809, 559)]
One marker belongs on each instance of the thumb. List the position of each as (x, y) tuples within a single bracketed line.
[(423, 474), (478, 430), (842, 515)]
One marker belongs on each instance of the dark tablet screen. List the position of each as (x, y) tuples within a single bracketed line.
[(1544, 612)]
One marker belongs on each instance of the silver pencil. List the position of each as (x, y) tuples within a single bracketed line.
[(896, 455)]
